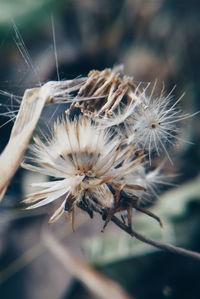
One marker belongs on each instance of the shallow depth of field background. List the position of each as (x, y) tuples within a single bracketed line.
[(155, 39)]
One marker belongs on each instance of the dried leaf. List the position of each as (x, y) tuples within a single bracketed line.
[(30, 110)]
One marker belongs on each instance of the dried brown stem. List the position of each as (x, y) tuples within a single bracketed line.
[(97, 283), (160, 245)]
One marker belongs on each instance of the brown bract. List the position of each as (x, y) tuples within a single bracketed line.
[(107, 89)]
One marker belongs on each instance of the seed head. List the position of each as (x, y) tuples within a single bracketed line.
[(91, 168)]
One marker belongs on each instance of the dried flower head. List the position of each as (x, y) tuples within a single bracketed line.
[(104, 91), (93, 170), (142, 117)]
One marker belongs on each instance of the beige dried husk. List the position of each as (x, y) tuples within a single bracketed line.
[(27, 118)]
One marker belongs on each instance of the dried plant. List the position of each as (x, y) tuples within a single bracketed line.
[(99, 159), (93, 168)]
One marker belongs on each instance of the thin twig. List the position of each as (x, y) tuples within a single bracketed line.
[(97, 283), (160, 245)]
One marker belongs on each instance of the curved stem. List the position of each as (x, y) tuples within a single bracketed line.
[(160, 245)]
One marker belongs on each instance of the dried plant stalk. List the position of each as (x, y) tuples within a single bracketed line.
[(97, 283), (27, 118), (160, 245)]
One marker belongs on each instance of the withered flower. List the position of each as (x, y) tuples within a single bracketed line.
[(98, 158), (93, 170), (141, 115)]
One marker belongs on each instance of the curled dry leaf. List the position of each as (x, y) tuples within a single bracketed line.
[(29, 113)]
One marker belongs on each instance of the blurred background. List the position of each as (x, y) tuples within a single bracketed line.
[(155, 39)]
